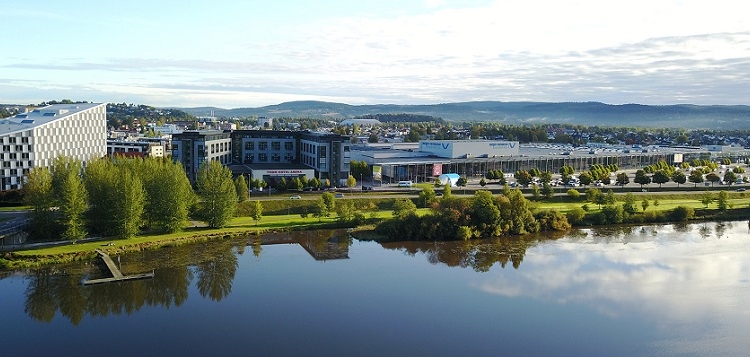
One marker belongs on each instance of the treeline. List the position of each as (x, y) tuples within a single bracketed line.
[(119, 197), (402, 118)]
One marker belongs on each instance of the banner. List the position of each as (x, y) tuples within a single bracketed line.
[(377, 173), (437, 169)]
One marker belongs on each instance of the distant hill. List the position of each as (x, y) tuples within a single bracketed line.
[(584, 113)]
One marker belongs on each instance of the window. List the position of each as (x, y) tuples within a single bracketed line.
[(6, 148), (322, 151), (288, 157), (14, 172), (12, 140), (25, 155), (276, 158), (248, 158), (24, 140), (275, 145), (288, 146), (262, 145), (175, 147), (249, 145), (262, 157)]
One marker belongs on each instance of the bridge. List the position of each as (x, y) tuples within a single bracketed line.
[(117, 275)]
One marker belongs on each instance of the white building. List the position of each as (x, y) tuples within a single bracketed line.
[(35, 138)]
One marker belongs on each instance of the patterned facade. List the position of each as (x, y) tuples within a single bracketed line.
[(35, 138)]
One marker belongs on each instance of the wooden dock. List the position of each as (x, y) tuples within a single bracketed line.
[(116, 273)]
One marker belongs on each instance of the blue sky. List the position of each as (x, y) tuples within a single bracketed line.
[(251, 53)]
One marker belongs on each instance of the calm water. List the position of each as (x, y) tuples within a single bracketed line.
[(652, 290)]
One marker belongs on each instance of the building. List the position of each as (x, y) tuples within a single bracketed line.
[(35, 138), (328, 154), (192, 148), (454, 149), (143, 147)]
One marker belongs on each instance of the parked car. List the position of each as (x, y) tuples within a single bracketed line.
[(741, 189), (366, 188), (295, 197), (339, 195)]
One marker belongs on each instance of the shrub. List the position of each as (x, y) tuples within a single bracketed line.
[(576, 215), (552, 221), (574, 194), (681, 213)]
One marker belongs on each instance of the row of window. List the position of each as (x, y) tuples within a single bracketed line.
[(13, 140), (275, 145)]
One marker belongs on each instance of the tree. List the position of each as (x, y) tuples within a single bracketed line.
[(330, 201), (706, 198), (545, 177), (447, 190), (482, 182), (660, 177), (170, 195), (240, 186), (72, 205), (217, 193), (610, 198), (696, 177), (461, 182), (628, 206), (427, 195), (723, 200), (485, 214), (679, 178), (586, 178), (573, 193), (351, 181), (130, 201), (730, 177), (257, 212), (321, 209), (523, 177), (547, 190), (345, 210), (403, 208), (592, 194), (713, 178), (622, 179), (372, 139), (641, 178), (644, 204), (39, 195)]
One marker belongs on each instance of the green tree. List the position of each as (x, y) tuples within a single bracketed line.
[(39, 195), (730, 177), (461, 182), (609, 198), (447, 190), (622, 179), (706, 198), (427, 196), (72, 206), (713, 178), (575, 215), (573, 193), (320, 209), (523, 177), (330, 201), (679, 178), (257, 212), (586, 178), (545, 177), (403, 208), (482, 182), (130, 202), (660, 177), (517, 215), (485, 214), (696, 177), (641, 178), (372, 139), (628, 205), (723, 200), (644, 204), (351, 181), (592, 194), (547, 190), (217, 194), (345, 210)]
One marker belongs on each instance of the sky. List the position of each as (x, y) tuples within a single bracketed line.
[(233, 54)]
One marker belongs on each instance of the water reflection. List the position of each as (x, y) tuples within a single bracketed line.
[(212, 266), (479, 255)]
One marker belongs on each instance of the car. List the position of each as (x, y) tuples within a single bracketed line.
[(366, 188), (438, 194), (741, 189), (295, 197), (339, 195)]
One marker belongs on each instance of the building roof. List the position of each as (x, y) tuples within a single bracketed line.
[(41, 116)]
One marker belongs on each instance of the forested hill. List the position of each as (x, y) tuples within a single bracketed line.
[(583, 113), (124, 114)]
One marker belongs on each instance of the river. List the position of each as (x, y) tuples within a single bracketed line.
[(627, 291)]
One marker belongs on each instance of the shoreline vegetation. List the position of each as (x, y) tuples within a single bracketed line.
[(450, 217)]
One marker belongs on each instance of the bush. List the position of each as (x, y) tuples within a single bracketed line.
[(681, 213), (552, 221), (576, 215), (574, 194)]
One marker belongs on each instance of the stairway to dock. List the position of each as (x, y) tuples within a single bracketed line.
[(116, 273)]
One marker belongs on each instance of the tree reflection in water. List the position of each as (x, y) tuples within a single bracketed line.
[(479, 255), (212, 265)]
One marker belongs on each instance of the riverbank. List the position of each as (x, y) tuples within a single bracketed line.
[(243, 226)]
